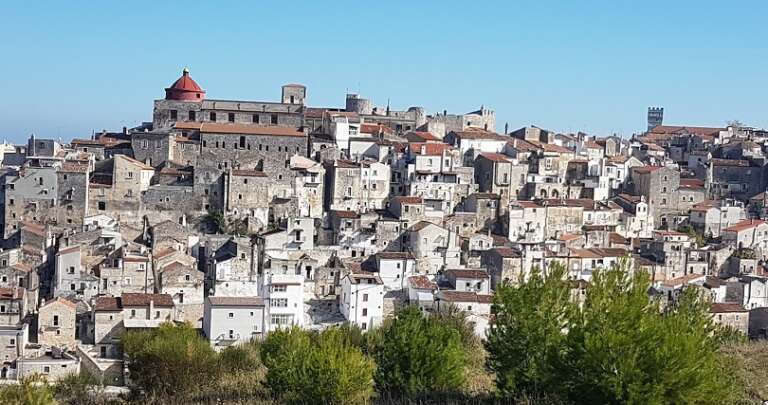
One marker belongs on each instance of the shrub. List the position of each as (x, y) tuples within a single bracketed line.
[(417, 354), (30, 391), (618, 347), (170, 360), (309, 367)]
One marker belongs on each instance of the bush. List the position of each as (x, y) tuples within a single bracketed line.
[(308, 367), (79, 389), (170, 360), (240, 358), (417, 354), (618, 347), (30, 391)]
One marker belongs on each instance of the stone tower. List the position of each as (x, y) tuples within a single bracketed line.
[(655, 117)]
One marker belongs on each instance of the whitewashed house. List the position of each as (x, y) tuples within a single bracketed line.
[(362, 299), (233, 320)]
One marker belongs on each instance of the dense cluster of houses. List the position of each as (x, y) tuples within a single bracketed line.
[(241, 217)]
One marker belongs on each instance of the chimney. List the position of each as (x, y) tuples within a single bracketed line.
[(151, 308), (125, 130)]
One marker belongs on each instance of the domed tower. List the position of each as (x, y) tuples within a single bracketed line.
[(184, 89)]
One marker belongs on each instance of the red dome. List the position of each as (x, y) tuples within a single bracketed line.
[(184, 89)]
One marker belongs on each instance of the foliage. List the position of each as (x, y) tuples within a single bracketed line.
[(171, 359), (618, 347), (417, 354), (220, 224), (79, 389), (309, 367), (478, 380), (745, 253), (697, 237), (239, 358), (30, 391), (525, 343)]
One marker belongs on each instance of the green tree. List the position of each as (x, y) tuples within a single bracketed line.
[(618, 347), (170, 360), (417, 354), (526, 341), (309, 367)]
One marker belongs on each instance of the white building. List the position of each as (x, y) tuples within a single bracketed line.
[(233, 320), (712, 217), (362, 299), (421, 292), (395, 268), (284, 299)]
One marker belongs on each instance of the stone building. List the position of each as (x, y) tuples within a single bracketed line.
[(308, 187), (185, 285), (30, 195), (56, 323), (185, 101), (72, 190), (355, 186), (247, 195), (659, 185), (732, 178), (730, 314), (498, 174)]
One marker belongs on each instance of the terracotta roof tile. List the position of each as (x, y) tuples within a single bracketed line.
[(428, 149), (141, 300), (744, 225), (422, 283), (724, 307)]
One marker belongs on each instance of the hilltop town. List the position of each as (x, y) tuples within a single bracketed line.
[(243, 217)]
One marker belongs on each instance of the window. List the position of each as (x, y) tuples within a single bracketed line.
[(255, 118), (102, 205), (231, 315), (133, 313), (365, 297), (192, 116), (174, 114), (278, 288), (55, 320), (365, 311), (231, 117), (12, 342), (281, 319), (46, 369), (213, 117), (273, 119), (242, 142), (278, 302), (187, 277), (364, 326), (231, 334)]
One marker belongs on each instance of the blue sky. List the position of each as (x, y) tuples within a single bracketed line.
[(69, 68)]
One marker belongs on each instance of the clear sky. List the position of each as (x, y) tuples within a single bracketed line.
[(68, 68)]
